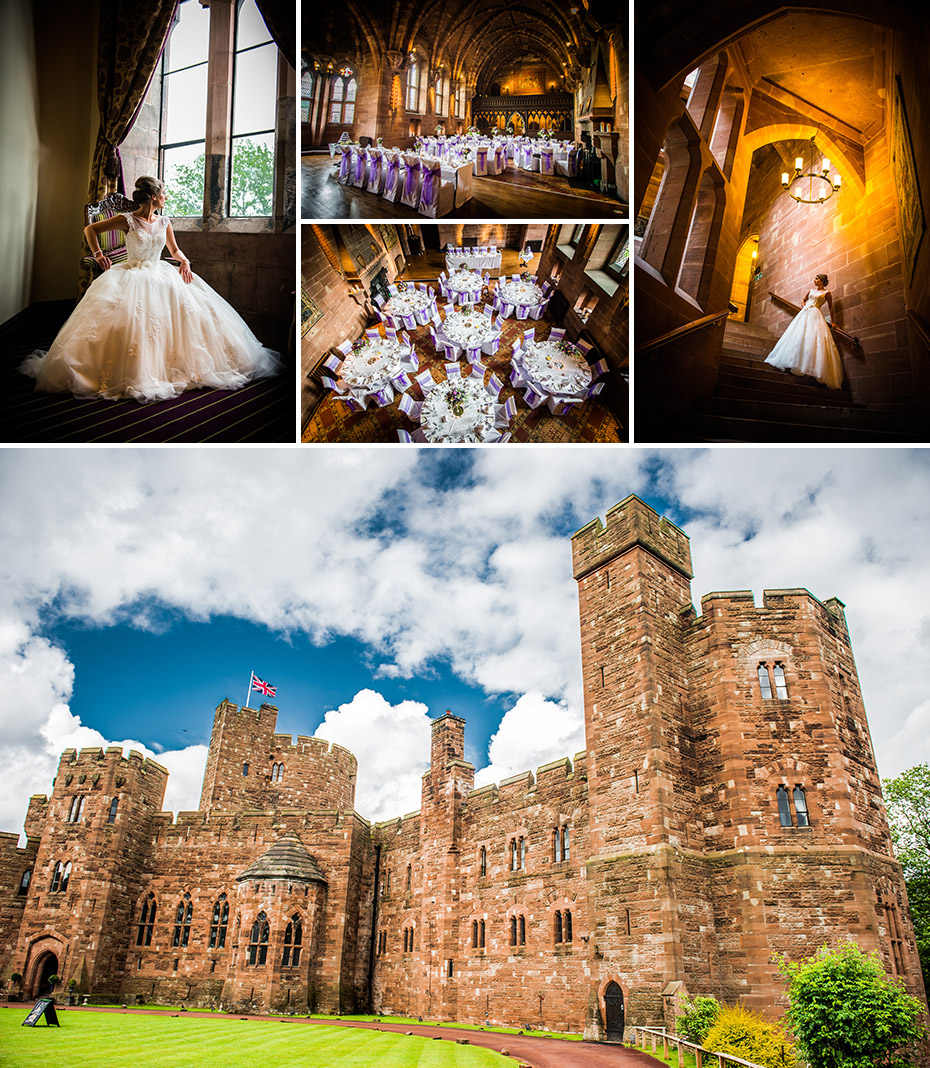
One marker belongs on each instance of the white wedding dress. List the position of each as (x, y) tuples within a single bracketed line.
[(142, 332), (807, 346)]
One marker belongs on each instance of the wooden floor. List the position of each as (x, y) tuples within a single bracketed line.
[(513, 195)]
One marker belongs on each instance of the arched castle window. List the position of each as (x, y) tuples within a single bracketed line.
[(765, 685), (219, 922), (182, 921), (24, 883), (277, 772), (61, 876), (562, 926), (518, 930), (557, 927), (801, 816), (440, 93), (111, 815), (306, 94), (146, 921), (784, 809), (483, 862), (517, 853), (293, 939), (477, 934), (560, 844), (76, 810), (887, 904), (258, 940), (800, 807), (413, 85), (774, 685), (781, 686), (460, 99)]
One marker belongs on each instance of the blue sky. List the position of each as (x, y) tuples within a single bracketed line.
[(376, 587)]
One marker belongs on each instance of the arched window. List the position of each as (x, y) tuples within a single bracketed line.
[(306, 94), (342, 100), (481, 934), (513, 930), (781, 685), (765, 685), (413, 86), (474, 934), (483, 862), (557, 927), (460, 99), (517, 853), (146, 921), (440, 88), (258, 941), (567, 926), (76, 810), (114, 805), (784, 809), (182, 921), (60, 877), (277, 772), (522, 930), (24, 883), (560, 844), (219, 922), (293, 940), (800, 807)]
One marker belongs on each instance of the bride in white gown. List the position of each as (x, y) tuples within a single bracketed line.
[(146, 329), (807, 346)]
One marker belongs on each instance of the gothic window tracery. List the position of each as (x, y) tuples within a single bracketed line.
[(277, 772), (76, 809), (258, 939), (146, 921), (182, 921), (219, 922), (293, 942), (61, 875)]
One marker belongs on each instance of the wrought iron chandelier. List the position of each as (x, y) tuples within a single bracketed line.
[(814, 185)]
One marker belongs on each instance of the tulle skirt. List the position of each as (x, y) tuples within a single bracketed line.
[(807, 348), (142, 332)]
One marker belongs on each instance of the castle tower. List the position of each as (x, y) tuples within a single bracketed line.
[(90, 862), (633, 575)]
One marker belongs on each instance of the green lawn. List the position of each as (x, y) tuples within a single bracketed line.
[(117, 1040), (572, 1036)]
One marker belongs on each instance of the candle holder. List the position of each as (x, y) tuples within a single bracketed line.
[(814, 185)]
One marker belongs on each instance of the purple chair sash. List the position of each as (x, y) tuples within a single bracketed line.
[(344, 165), (390, 178), (430, 188), (359, 166), (410, 181)]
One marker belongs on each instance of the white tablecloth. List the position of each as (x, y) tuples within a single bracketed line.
[(408, 302), (468, 328), (519, 293), (466, 282), (555, 368), (483, 261), (370, 366), (476, 423)]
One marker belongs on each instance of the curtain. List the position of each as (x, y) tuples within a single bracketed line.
[(130, 41), (279, 19)]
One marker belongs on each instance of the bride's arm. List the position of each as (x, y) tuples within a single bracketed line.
[(186, 274), (115, 222), (832, 318)]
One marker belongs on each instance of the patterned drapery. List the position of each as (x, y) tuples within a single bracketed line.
[(130, 40)]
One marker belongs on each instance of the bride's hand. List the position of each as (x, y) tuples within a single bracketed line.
[(103, 260), (186, 273)]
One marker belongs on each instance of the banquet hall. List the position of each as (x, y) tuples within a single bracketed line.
[(464, 109), (464, 333)]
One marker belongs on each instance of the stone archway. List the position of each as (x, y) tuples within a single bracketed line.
[(516, 121), (46, 965), (614, 1014)]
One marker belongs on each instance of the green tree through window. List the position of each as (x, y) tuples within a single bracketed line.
[(252, 185)]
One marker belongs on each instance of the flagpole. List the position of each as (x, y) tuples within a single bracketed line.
[(249, 695)]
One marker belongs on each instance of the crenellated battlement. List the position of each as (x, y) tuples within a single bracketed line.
[(74, 761), (630, 523)]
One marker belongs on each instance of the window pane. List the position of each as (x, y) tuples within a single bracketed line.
[(185, 106), (252, 185), (254, 88), (764, 685), (250, 26), (183, 175), (784, 812), (351, 90), (781, 687), (349, 114), (305, 111), (189, 41)]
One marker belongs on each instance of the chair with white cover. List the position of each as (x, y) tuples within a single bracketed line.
[(391, 167), (546, 153), (507, 310), (600, 368), (409, 407), (382, 397), (593, 390), (410, 179), (390, 332), (500, 158), (350, 402), (453, 370), (523, 311), (528, 335), (490, 346), (426, 381), (557, 333), (494, 386), (504, 413), (345, 165), (372, 332), (409, 320), (532, 398), (499, 439), (517, 376), (400, 381), (526, 157), (493, 163), (537, 311), (375, 170), (411, 359), (488, 311), (332, 384), (585, 346), (332, 363), (480, 165), (404, 437), (473, 354), (345, 348), (359, 167), (567, 166), (437, 196)]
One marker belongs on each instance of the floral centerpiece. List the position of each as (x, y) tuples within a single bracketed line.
[(418, 144), (455, 399), (473, 130), (358, 345), (544, 135), (380, 142), (565, 346), (401, 287), (440, 130)]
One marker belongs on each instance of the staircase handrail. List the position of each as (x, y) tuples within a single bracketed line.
[(682, 331), (797, 307), (920, 325)]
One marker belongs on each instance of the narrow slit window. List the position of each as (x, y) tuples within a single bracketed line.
[(784, 810), (800, 807), (557, 924), (781, 685), (146, 921), (765, 685), (111, 815), (76, 810), (567, 926)]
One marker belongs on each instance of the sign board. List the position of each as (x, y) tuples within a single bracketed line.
[(43, 1007)]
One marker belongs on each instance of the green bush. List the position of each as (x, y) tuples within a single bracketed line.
[(698, 1015), (747, 1035), (847, 1013)]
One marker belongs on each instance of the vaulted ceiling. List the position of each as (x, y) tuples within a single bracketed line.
[(478, 37)]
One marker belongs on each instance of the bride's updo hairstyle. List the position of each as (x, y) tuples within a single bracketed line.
[(146, 188), (821, 278)]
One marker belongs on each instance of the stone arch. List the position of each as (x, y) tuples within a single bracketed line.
[(851, 167), (44, 957), (612, 1005), (741, 286)]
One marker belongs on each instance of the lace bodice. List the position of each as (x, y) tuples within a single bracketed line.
[(145, 241), (816, 298)]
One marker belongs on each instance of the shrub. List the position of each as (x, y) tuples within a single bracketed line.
[(747, 1035), (698, 1015), (847, 1013)]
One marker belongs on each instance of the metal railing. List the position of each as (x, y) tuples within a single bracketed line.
[(666, 1040), (682, 331)]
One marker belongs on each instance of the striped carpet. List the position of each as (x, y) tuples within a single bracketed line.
[(262, 412)]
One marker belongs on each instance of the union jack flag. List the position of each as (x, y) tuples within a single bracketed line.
[(263, 687)]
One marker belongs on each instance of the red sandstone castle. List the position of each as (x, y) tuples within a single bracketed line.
[(727, 808)]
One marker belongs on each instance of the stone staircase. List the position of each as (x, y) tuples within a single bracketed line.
[(757, 403)]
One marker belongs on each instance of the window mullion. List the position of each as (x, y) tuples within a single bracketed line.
[(219, 108)]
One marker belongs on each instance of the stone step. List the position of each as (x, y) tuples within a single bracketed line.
[(758, 371), (899, 426), (711, 429), (733, 385)]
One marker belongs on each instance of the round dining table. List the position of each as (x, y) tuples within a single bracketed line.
[(459, 410)]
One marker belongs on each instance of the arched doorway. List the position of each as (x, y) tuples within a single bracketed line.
[(740, 294), (516, 121), (46, 966), (613, 1013)]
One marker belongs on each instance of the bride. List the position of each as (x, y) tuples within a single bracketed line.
[(146, 329), (807, 346)]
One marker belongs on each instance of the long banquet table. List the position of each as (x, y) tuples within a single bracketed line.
[(481, 261)]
